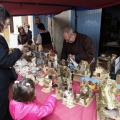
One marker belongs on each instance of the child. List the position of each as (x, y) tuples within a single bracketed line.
[(23, 107)]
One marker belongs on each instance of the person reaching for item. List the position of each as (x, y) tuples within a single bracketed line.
[(78, 46), (23, 107)]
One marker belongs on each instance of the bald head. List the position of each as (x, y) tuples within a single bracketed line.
[(68, 30), (69, 35)]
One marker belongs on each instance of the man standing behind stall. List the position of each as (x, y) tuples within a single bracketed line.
[(79, 46)]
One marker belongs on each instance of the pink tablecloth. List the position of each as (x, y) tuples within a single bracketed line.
[(62, 112)]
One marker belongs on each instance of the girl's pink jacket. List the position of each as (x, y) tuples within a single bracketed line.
[(31, 111)]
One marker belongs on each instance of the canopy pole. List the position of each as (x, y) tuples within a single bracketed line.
[(76, 19), (52, 33)]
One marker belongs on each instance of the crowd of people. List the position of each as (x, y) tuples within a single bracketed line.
[(22, 105), (43, 38)]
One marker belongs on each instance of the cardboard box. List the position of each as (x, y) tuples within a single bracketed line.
[(118, 79), (76, 78)]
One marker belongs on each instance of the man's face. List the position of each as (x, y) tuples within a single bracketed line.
[(68, 38)]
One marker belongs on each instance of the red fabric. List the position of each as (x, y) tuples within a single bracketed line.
[(27, 7)]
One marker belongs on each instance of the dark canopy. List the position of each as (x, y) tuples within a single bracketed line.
[(30, 7)]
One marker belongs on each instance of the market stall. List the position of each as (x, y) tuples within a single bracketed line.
[(75, 99), (62, 112)]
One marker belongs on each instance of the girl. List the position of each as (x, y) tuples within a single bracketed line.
[(23, 107)]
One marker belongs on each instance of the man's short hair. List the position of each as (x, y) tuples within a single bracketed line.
[(41, 26), (68, 30)]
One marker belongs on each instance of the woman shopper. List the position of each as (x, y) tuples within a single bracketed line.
[(6, 61)]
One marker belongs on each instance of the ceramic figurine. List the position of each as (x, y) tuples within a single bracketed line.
[(58, 93), (51, 71), (101, 73), (47, 85), (40, 48), (33, 47), (104, 61), (52, 59), (63, 85), (28, 53), (83, 68), (64, 71), (33, 63), (85, 95), (107, 103), (68, 98)]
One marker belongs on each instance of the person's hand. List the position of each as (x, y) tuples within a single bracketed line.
[(72, 57), (20, 47), (35, 39), (53, 95)]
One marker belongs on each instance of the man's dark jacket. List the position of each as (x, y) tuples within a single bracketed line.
[(82, 48)]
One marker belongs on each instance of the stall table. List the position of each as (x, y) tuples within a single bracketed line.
[(61, 112)]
